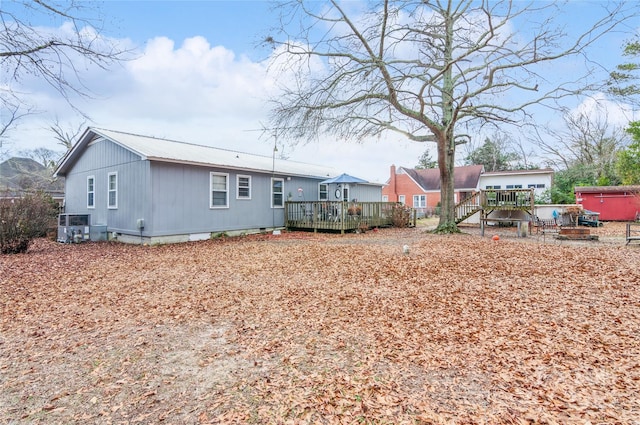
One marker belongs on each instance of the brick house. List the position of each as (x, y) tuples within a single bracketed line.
[(420, 189)]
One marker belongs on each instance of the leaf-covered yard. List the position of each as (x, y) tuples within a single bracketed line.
[(316, 328)]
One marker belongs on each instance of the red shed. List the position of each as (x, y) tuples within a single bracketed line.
[(614, 203)]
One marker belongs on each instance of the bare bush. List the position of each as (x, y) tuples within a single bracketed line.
[(24, 219), (401, 215)]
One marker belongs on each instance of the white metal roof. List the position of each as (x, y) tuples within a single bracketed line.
[(156, 149)]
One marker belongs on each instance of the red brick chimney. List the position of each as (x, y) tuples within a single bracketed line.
[(393, 193)]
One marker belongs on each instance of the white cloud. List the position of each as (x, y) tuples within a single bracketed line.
[(600, 107), (203, 94)]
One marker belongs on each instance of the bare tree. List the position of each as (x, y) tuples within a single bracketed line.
[(429, 70), (47, 157), (66, 136), (55, 57), (588, 140), (12, 112)]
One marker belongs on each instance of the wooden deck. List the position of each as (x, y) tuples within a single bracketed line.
[(338, 216), (487, 201)]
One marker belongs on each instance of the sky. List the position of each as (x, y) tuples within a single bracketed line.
[(197, 74)]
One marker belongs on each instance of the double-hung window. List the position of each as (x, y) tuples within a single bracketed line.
[(323, 192), (91, 192), (277, 193), (219, 185), (244, 187), (112, 191), (419, 201)]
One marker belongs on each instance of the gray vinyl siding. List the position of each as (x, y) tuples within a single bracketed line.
[(174, 198), (180, 195), (365, 193), (99, 160), (361, 192)]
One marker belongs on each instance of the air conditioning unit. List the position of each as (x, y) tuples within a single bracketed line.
[(73, 228)]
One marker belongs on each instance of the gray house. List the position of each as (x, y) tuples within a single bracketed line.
[(147, 189)]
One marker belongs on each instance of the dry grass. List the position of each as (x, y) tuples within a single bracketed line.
[(305, 328)]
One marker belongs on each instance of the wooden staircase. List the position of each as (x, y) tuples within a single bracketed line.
[(468, 207)]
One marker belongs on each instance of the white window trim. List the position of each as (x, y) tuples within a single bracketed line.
[(216, 207), (320, 198), (402, 199), (274, 179), (93, 180), (114, 206), (238, 177), (417, 197)]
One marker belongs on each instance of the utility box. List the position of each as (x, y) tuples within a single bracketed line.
[(73, 227), (98, 233), (76, 228)]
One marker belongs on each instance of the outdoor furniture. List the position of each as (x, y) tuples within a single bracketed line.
[(633, 232), (545, 225)]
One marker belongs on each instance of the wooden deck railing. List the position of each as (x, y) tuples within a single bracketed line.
[(507, 199), (337, 216), (467, 207)]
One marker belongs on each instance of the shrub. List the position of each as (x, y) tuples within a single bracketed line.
[(24, 219), (401, 215)]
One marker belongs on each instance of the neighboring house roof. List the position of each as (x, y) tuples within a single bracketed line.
[(465, 177), (163, 150), (601, 189)]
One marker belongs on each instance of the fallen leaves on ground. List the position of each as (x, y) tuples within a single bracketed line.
[(316, 328)]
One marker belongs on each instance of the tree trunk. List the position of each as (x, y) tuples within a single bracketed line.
[(446, 137), (446, 162)]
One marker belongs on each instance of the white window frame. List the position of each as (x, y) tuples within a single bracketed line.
[(385, 198), (226, 190), (401, 199), (91, 192), (419, 204), (273, 193), (114, 205), (321, 192), (238, 187), (345, 193)]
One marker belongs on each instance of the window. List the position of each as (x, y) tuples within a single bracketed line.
[(277, 193), (493, 187), (91, 192), (536, 186), (345, 194), (219, 190), (401, 199), (385, 198), (112, 193), (419, 201), (244, 187), (323, 192)]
